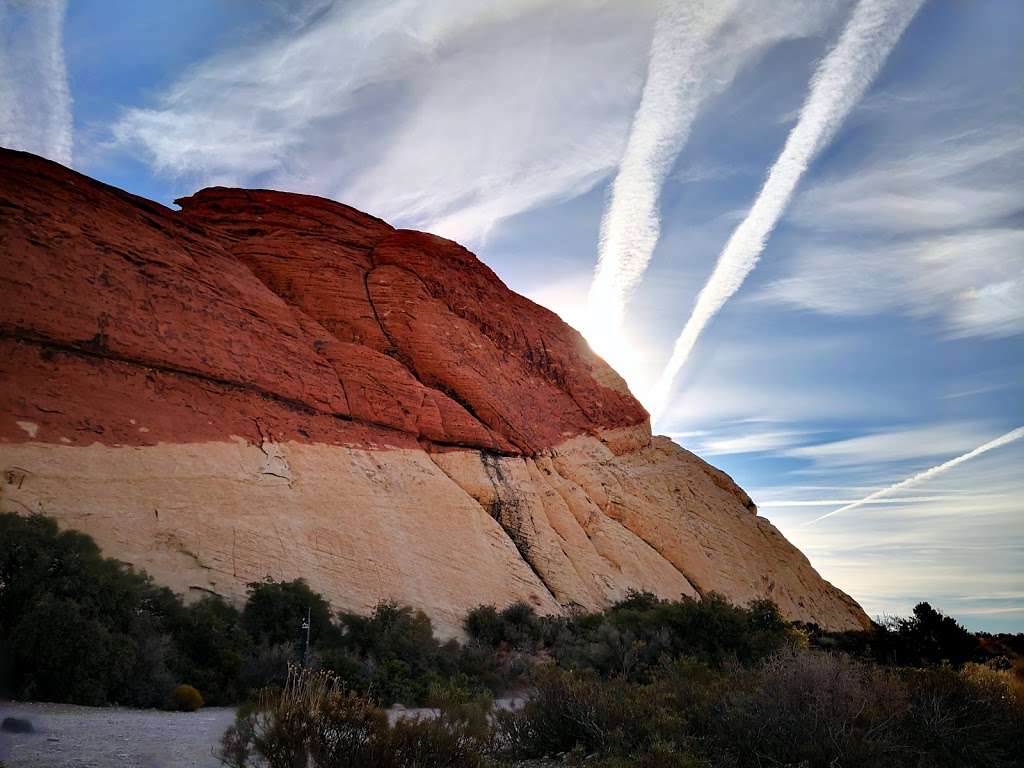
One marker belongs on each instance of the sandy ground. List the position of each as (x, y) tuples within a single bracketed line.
[(67, 736)]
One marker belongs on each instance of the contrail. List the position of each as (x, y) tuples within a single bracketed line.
[(35, 103), (1000, 441), (676, 73), (839, 82)]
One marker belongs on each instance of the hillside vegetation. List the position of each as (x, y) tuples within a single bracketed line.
[(646, 682)]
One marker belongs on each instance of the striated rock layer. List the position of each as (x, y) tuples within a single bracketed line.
[(271, 384)]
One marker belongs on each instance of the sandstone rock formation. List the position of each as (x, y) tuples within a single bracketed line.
[(270, 384)]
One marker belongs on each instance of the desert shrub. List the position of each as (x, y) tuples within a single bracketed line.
[(151, 680), (498, 670), (394, 682), (354, 670), (431, 742), (312, 720), (660, 755), (569, 711), (63, 654), (267, 666), (517, 626), (796, 708), (348, 731), (814, 709), (521, 625), (186, 698), (277, 730), (928, 637), (967, 717), (391, 631), (632, 638), (459, 699)]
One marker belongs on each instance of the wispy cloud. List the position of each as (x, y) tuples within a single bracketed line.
[(443, 116), (953, 544), (915, 443), (837, 85), (35, 103), (930, 184), (972, 280), (834, 502), (449, 116), (927, 229), (751, 442), (920, 477)]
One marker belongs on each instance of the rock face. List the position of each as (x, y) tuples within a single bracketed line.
[(270, 384)]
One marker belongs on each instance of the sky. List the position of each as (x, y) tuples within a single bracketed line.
[(828, 195)]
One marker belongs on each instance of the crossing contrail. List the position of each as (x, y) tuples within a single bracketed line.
[(676, 73), (35, 103), (1000, 441), (838, 83)]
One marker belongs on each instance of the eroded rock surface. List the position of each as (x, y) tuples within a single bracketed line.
[(270, 384)]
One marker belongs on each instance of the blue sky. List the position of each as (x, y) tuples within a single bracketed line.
[(880, 334)]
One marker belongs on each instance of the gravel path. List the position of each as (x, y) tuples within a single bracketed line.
[(67, 736)]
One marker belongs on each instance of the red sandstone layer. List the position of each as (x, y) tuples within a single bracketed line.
[(278, 298)]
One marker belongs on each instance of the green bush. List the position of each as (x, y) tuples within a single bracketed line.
[(797, 708), (81, 628), (75, 626), (62, 653), (648, 682), (929, 637), (214, 649), (517, 626), (392, 654), (275, 611), (484, 625), (186, 698), (348, 731)]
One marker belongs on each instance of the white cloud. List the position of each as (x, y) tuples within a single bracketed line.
[(449, 116), (446, 116), (35, 104), (840, 80)]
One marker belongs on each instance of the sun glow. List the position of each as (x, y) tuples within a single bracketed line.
[(629, 357)]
